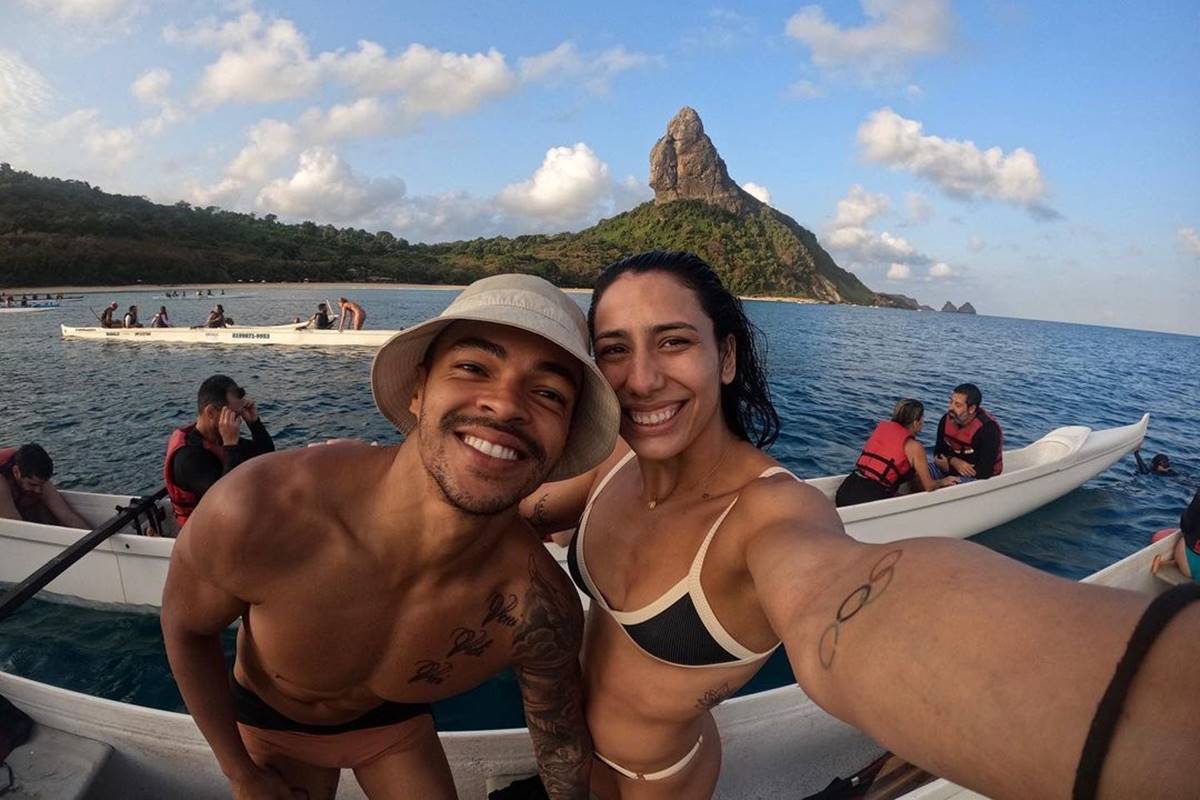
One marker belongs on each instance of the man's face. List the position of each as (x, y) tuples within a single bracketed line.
[(958, 409), (494, 408), (29, 483)]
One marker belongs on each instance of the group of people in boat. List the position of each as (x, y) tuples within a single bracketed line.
[(10, 300), (323, 318), (182, 293), (969, 446), (373, 581)]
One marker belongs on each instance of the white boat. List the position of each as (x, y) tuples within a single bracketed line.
[(240, 334), (1034, 475), (775, 743), (24, 309)]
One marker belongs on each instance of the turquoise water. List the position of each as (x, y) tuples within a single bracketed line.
[(105, 409)]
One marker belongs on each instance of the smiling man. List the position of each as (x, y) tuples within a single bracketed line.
[(374, 581)]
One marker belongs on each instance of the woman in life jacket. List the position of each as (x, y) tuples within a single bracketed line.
[(891, 457)]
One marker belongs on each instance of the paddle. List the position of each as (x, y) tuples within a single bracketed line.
[(27, 588)]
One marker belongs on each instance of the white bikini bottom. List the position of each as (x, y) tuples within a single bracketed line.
[(662, 774)]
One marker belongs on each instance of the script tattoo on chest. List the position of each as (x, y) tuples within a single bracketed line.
[(471, 642), (434, 672), (498, 608), (878, 580), (713, 697)]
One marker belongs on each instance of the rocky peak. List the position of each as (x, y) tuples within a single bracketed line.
[(966, 308), (685, 165), (950, 307)]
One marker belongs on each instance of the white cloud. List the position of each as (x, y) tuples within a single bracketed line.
[(1189, 239), (899, 272), (108, 148), (88, 10), (959, 168), (565, 189), (976, 243), (263, 62), (920, 210), (367, 116), (209, 34), (895, 33), (758, 191), (565, 64), (942, 270), (849, 233), (151, 86), (723, 30), (804, 90), (428, 80), (23, 95), (914, 92), (324, 186)]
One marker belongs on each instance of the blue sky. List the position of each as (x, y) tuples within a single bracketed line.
[(1036, 159)]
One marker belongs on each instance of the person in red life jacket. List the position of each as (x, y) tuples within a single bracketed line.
[(891, 457), (969, 443), (200, 453), (26, 491)]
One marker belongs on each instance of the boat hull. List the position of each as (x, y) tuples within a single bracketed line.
[(285, 335)]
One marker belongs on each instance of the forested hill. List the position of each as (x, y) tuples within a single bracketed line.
[(56, 232)]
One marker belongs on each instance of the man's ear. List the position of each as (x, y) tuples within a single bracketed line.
[(418, 395), (729, 359)]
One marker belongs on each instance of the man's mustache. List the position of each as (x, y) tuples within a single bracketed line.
[(452, 421)]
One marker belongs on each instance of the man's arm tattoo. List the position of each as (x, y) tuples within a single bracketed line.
[(471, 642), (499, 608), (546, 659), (434, 672), (879, 579)]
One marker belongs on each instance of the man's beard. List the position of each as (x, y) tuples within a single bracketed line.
[(433, 456)]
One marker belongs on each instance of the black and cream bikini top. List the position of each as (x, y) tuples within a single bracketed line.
[(679, 628)]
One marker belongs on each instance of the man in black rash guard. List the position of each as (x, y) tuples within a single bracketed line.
[(200, 453), (969, 443)]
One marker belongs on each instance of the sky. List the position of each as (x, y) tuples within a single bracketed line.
[(1037, 159)]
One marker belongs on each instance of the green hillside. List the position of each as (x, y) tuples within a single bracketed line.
[(55, 232)]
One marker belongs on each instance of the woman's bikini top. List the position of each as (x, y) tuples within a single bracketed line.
[(679, 628)]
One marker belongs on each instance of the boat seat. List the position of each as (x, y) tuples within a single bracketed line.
[(54, 764)]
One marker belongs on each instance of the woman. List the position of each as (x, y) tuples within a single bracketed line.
[(891, 457), (160, 319), (700, 553)]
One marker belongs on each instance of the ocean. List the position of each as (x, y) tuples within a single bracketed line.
[(104, 411)]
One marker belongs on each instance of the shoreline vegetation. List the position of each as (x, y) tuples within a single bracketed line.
[(67, 233)]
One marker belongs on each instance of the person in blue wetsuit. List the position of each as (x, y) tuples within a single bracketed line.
[(702, 554)]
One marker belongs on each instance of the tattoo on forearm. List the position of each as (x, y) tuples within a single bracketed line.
[(546, 658), (498, 607), (471, 642), (538, 517), (434, 672), (879, 579), (713, 697)]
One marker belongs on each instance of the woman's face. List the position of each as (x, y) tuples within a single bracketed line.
[(657, 348)]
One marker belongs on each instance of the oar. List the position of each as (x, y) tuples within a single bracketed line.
[(27, 588)]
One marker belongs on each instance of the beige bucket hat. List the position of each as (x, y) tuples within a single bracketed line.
[(530, 304)]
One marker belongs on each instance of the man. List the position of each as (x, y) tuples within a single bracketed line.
[(131, 318), (216, 317), (373, 581), (200, 453), (26, 491), (353, 310), (106, 316), (321, 320), (969, 443)]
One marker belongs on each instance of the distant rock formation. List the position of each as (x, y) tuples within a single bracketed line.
[(950, 307), (898, 301), (685, 165), (926, 308), (966, 308)]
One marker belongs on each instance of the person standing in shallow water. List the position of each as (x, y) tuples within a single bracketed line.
[(702, 554), (372, 581), (891, 458)]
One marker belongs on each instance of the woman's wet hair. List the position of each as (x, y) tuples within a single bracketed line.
[(746, 400), (908, 411)]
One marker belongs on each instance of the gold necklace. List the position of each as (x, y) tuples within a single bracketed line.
[(653, 503)]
